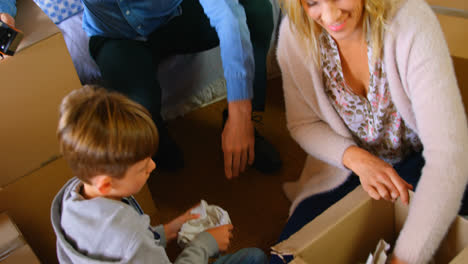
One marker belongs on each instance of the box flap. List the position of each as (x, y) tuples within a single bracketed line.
[(10, 237), (454, 242), (8, 231), (461, 258), (21, 255), (34, 23)]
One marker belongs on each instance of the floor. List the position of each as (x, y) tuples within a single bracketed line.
[(254, 201)]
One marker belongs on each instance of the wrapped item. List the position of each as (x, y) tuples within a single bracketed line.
[(380, 253), (210, 216)]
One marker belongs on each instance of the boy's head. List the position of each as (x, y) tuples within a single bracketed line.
[(105, 133)]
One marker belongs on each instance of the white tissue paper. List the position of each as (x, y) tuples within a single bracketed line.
[(210, 216), (380, 253)]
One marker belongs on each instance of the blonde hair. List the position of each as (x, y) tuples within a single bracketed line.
[(376, 14), (103, 132)]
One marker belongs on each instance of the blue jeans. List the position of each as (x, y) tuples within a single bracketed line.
[(244, 256), (409, 169)]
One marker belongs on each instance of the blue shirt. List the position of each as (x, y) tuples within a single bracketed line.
[(8, 6), (136, 19)]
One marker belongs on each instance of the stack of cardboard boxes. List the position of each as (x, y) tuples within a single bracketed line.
[(33, 82)]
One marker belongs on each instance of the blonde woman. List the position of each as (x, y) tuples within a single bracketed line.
[(370, 90)]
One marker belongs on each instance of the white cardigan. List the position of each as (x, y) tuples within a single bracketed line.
[(424, 89)]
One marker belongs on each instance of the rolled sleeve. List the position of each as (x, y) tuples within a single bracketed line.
[(230, 22)]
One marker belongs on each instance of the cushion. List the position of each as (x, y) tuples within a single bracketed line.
[(59, 10)]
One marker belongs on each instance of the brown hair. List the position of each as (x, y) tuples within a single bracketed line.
[(103, 132)]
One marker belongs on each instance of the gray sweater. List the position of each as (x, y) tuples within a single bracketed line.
[(102, 230)]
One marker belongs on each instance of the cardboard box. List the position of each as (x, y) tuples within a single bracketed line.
[(13, 248), (34, 81), (349, 230), (453, 18), (28, 203)]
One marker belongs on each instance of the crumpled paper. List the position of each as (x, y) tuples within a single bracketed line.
[(210, 216), (380, 253)]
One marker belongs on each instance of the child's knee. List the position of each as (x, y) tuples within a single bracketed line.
[(254, 256)]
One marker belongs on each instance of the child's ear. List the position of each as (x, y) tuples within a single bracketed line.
[(103, 184)]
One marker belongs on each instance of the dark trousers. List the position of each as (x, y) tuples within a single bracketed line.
[(128, 66), (409, 169)]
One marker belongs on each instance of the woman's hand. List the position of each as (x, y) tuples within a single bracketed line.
[(172, 228), (6, 18), (378, 178), (222, 235)]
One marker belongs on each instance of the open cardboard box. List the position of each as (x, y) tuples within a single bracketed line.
[(349, 230), (13, 247)]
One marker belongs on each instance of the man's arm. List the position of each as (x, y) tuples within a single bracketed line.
[(229, 19)]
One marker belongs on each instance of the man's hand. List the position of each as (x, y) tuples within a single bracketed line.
[(172, 228), (238, 138), (378, 178), (6, 18), (222, 235)]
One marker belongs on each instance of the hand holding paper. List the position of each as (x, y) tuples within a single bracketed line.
[(172, 228), (210, 216)]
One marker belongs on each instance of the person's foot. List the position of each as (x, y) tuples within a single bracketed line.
[(169, 155), (267, 158)]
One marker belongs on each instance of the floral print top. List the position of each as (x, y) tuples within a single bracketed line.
[(373, 121)]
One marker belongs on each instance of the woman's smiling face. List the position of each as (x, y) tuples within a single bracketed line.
[(340, 18)]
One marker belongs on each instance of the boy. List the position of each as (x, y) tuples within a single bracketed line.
[(108, 141)]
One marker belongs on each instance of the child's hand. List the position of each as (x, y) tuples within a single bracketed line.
[(222, 235), (172, 228)]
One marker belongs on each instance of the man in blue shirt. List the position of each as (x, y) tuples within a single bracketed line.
[(129, 38)]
